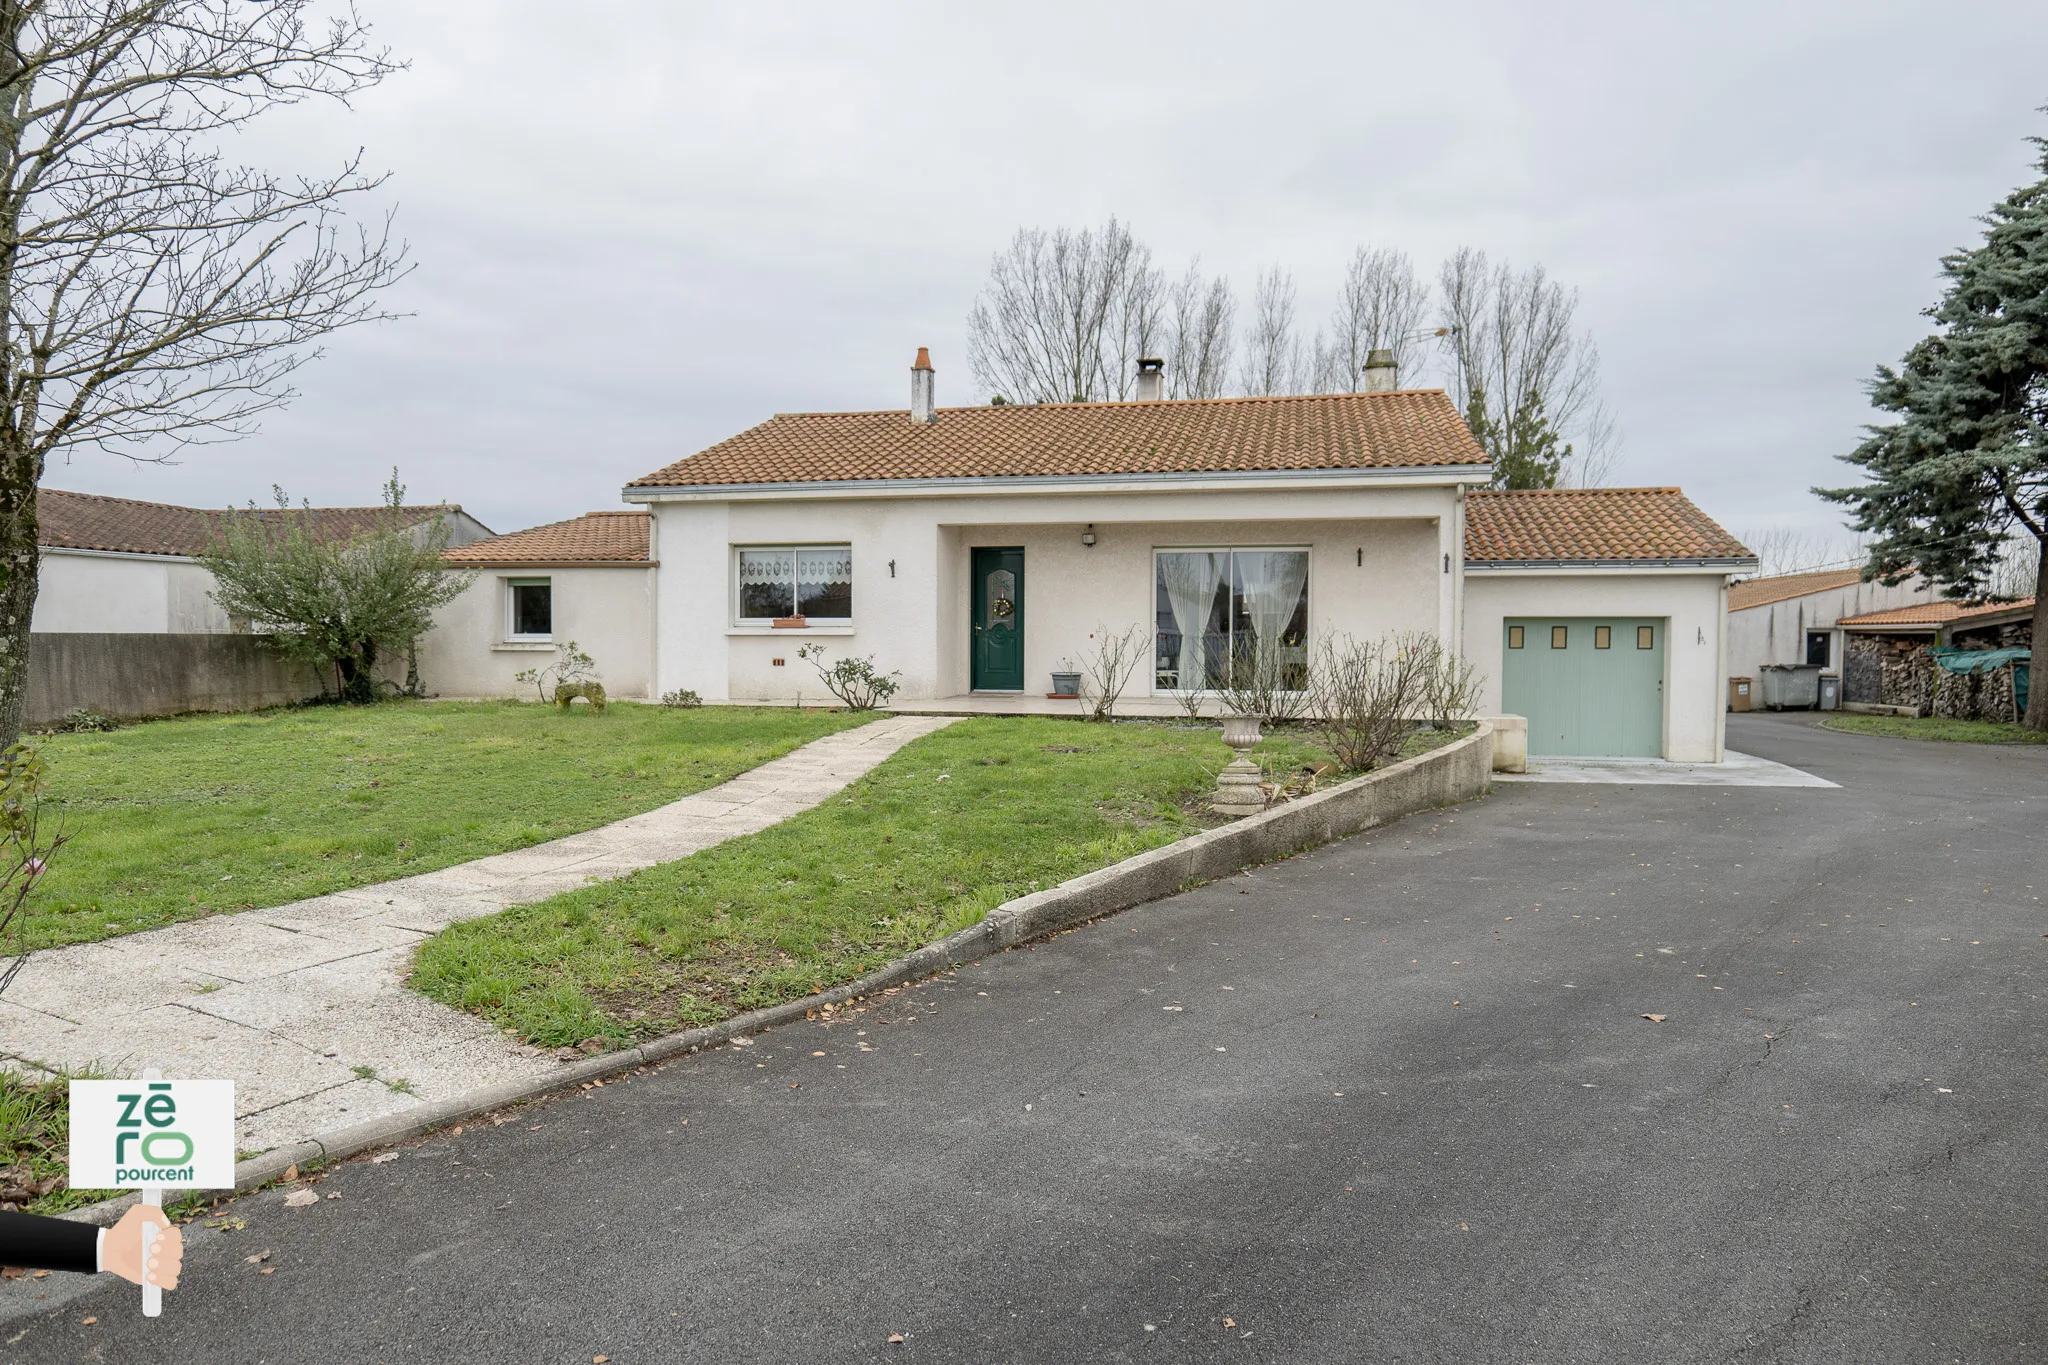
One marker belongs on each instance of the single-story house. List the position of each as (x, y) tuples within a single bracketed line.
[(976, 550), (589, 580), (1888, 660), (1797, 618)]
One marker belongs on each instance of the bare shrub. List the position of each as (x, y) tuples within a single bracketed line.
[(1449, 685), (1108, 663), (1265, 682), (1363, 693)]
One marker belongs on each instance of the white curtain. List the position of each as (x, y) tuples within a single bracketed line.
[(1273, 581), (767, 566), (1191, 581)]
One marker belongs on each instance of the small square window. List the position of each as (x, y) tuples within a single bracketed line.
[(1514, 637), (1557, 637), (1603, 637), (533, 609), (1646, 637)]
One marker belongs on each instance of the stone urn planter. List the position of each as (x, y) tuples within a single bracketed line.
[(1238, 792)]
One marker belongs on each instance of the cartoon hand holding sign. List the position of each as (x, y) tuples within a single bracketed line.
[(148, 1135)]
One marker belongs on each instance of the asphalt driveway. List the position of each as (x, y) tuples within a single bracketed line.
[(1392, 1101)]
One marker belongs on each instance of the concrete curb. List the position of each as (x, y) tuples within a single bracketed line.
[(1456, 772)]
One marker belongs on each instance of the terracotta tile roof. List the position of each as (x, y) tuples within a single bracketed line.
[(1403, 429), (1587, 525), (593, 538), (1761, 592), (1939, 613), (87, 521)]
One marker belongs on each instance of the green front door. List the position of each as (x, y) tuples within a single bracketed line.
[(1590, 686), (998, 648)]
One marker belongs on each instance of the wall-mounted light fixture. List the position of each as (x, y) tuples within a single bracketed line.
[(892, 568), (1088, 534), (1447, 562)]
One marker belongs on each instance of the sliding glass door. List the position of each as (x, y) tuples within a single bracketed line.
[(1234, 613)]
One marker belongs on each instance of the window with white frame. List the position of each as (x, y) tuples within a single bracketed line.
[(529, 609), (1227, 614), (779, 581)]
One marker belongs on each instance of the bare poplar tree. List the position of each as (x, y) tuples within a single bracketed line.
[(1381, 305), (152, 294), (1272, 352), (1065, 316), (1528, 383), (1201, 315)]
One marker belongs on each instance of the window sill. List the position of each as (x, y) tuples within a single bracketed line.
[(789, 630), (523, 647)]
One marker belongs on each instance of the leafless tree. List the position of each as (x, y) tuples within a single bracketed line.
[(1065, 315), (1782, 550), (1382, 305), (154, 295), (1513, 352), (1200, 318), (2019, 568), (1272, 352)]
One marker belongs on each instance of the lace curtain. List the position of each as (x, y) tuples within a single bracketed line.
[(1272, 582), (1191, 581)]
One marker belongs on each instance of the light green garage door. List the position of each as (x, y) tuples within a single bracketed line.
[(1590, 686)]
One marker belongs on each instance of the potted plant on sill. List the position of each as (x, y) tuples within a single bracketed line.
[(788, 623), (1066, 681)]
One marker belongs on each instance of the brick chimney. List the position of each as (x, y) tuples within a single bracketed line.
[(923, 389), (1151, 380), (1382, 375)]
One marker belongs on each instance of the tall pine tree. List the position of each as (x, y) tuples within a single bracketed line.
[(1965, 467)]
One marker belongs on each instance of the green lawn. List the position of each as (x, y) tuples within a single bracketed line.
[(1935, 727), (179, 818), (929, 842)]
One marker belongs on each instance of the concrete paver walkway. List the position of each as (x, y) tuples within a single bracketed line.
[(304, 1005)]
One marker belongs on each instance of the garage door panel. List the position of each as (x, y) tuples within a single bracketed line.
[(1590, 686)]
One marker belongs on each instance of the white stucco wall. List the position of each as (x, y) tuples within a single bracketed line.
[(93, 592), (915, 619), (1775, 633), (608, 611), (1691, 601)]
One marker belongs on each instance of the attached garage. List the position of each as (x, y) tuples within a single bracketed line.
[(1590, 686), (1599, 614)]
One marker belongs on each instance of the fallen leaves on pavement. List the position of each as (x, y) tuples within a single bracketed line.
[(299, 1199), (1656, 1018)]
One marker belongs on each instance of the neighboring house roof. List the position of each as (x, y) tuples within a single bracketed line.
[(87, 521), (1404, 429), (1572, 526), (1761, 592), (1933, 615), (593, 538)]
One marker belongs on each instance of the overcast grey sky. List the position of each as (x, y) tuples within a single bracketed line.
[(642, 225)]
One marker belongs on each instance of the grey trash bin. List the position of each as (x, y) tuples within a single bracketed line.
[(1790, 687), (1830, 692)]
